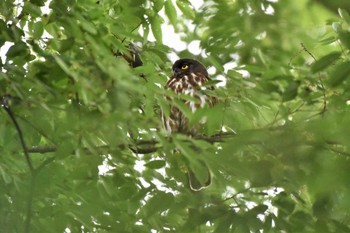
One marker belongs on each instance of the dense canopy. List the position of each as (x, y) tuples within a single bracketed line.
[(81, 140)]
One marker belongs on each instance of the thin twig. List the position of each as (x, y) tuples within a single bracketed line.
[(35, 128), (236, 194), (306, 50), (296, 55), (6, 106), (324, 108)]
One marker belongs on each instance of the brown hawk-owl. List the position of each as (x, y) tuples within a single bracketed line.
[(189, 77)]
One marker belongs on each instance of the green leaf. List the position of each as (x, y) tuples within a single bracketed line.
[(88, 26), (344, 14), (339, 74), (325, 61), (31, 9), (18, 49), (328, 40), (64, 66), (291, 92), (284, 203), (38, 2), (345, 38), (234, 74), (158, 5), (38, 30), (170, 11), (156, 25), (155, 164), (66, 44), (186, 8), (252, 68), (160, 202), (146, 29), (225, 223), (260, 209)]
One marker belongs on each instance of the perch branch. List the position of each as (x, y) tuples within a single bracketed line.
[(139, 147)]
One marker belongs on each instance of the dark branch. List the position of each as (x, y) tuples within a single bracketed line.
[(6, 106), (216, 137), (42, 149), (306, 50), (139, 147)]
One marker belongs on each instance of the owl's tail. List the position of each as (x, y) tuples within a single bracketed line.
[(195, 184)]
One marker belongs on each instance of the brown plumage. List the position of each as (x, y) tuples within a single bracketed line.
[(189, 78)]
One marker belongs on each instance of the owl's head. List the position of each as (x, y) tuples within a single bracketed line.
[(187, 66)]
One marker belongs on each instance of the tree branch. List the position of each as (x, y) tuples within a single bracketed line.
[(28, 218), (139, 147), (5, 104)]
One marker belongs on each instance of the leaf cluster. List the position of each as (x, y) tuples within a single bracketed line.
[(277, 144)]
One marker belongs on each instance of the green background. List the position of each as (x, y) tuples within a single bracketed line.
[(79, 105)]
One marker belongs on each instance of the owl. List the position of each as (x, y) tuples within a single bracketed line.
[(190, 78)]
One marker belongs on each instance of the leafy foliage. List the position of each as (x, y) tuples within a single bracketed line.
[(94, 157)]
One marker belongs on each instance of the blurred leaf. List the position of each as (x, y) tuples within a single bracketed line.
[(38, 2), (31, 9), (253, 68), (158, 203), (345, 38), (18, 49), (328, 40), (325, 61), (38, 30), (344, 14), (284, 203), (339, 74), (185, 8), (158, 5), (260, 209), (155, 164), (291, 92), (300, 220), (225, 223), (171, 12), (156, 22), (64, 66)]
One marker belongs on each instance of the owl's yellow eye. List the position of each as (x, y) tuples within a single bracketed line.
[(184, 67)]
